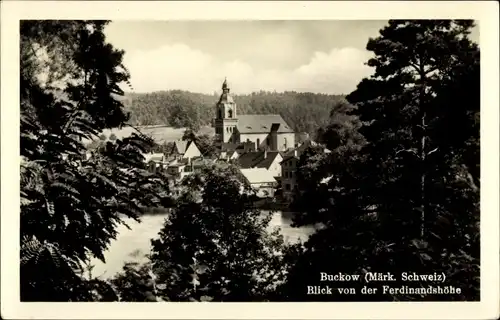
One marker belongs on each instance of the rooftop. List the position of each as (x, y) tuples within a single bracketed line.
[(261, 123), (258, 175), (181, 146), (153, 157), (257, 159)]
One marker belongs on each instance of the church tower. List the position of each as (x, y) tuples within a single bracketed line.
[(226, 120)]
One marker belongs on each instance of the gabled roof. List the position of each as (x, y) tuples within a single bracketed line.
[(262, 123), (180, 146), (256, 159), (285, 159), (258, 175)]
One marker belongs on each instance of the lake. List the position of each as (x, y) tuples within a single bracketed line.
[(133, 244)]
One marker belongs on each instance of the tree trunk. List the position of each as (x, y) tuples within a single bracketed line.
[(422, 115), (422, 178)]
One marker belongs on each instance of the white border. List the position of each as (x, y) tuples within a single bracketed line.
[(486, 12)]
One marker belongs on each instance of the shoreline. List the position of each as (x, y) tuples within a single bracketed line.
[(262, 204)]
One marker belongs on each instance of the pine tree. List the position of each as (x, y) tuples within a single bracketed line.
[(408, 201)]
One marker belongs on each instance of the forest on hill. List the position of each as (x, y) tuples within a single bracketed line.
[(305, 112)]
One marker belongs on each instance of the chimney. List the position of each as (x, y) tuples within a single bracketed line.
[(274, 136)]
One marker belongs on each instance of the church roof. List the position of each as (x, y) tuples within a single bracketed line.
[(261, 123), (226, 98)]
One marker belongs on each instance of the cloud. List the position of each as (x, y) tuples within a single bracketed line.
[(178, 66)]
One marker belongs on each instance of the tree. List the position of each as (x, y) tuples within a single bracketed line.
[(165, 147), (69, 207), (215, 245), (312, 169), (183, 112), (136, 283), (408, 200), (342, 128)]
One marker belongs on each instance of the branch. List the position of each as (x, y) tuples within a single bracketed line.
[(415, 67), (432, 151), (412, 151), (134, 127), (72, 118)]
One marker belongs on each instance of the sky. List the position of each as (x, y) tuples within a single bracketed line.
[(306, 56)]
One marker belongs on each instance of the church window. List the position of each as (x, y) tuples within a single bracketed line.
[(285, 143), (220, 114), (230, 113)]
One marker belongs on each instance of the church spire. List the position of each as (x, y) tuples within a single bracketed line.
[(225, 87)]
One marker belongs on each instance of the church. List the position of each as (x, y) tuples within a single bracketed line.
[(265, 131)]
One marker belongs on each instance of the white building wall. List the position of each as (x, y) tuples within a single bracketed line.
[(275, 167), (286, 141)]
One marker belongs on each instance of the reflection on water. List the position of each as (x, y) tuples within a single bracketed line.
[(131, 245)]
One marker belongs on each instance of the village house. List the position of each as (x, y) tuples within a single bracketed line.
[(309, 143), (289, 175), (269, 160), (289, 167), (230, 155), (264, 131), (156, 157), (178, 169), (184, 150), (261, 181)]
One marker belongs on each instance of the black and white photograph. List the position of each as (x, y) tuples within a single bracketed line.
[(247, 160)]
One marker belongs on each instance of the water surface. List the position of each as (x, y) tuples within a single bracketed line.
[(133, 244)]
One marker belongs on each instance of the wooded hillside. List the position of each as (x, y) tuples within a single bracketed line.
[(305, 112)]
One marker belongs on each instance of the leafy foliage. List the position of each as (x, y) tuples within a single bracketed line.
[(408, 199), (214, 245), (70, 205), (136, 283)]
